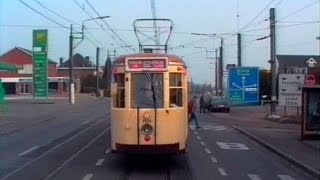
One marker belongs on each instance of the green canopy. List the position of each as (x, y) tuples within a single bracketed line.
[(7, 67)]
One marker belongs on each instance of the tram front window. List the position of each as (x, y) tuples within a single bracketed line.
[(141, 90)]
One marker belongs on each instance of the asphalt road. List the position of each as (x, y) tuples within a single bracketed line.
[(33, 127), (215, 151)]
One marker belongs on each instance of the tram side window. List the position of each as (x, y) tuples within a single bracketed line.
[(175, 83), (119, 100)]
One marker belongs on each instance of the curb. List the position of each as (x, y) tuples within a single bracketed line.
[(287, 157)]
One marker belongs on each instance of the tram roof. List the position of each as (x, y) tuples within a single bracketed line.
[(171, 58)]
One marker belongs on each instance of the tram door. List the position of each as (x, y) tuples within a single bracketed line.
[(147, 97)]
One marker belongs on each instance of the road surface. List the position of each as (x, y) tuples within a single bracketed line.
[(82, 151)]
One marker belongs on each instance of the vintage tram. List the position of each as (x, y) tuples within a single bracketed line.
[(150, 93)]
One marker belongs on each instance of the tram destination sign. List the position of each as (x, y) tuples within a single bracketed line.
[(140, 64)]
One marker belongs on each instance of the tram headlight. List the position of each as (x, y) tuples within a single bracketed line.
[(146, 129), (146, 115)]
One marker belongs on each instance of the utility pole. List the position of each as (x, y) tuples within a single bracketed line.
[(273, 61), (221, 69), (71, 83), (216, 73), (97, 71), (239, 49)]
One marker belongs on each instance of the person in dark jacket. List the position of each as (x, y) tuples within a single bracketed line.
[(192, 107), (202, 104)]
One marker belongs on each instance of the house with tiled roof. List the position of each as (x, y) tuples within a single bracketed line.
[(84, 72), (307, 64), (16, 71)]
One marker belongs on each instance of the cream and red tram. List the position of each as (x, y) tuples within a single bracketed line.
[(149, 104)]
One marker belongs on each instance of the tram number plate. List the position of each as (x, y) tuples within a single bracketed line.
[(147, 121)]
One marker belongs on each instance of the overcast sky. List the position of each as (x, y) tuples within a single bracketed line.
[(297, 27)]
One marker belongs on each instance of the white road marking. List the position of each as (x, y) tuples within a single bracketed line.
[(207, 150), (213, 159), (28, 151), (198, 137), (222, 172), (216, 128), (202, 143), (86, 122), (47, 152), (87, 177), (108, 151), (192, 127), (76, 154), (285, 177), (254, 177), (99, 162), (196, 133), (233, 146)]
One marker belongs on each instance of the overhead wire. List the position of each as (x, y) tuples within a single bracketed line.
[(70, 21), (266, 18), (298, 10), (98, 14), (53, 12), (41, 14), (88, 14), (247, 25)]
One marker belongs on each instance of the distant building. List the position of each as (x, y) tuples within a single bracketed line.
[(288, 63), (307, 64), (83, 69), (16, 69)]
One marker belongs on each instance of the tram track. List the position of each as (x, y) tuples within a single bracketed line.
[(162, 167)]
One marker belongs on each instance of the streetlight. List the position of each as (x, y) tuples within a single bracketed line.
[(220, 60), (71, 47), (100, 17), (114, 50), (198, 47)]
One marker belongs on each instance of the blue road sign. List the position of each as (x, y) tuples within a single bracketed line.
[(243, 85)]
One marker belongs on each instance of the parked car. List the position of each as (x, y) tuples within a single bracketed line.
[(207, 100), (266, 99), (219, 104)]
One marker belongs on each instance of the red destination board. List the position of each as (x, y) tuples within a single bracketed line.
[(146, 64)]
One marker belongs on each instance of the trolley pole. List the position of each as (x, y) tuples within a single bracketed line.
[(71, 83), (273, 62), (97, 72)]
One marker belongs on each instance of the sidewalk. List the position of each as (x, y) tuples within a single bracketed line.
[(281, 138)]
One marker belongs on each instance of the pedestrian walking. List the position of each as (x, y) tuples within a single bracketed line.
[(192, 107), (202, 104)]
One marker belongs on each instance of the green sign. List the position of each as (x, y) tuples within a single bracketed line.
[(1, 93), (40, 63)]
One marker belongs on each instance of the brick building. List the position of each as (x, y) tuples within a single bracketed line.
[(84, 72), (18, 80)]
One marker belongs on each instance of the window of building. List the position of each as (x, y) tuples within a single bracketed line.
[(175, 83), (24, 89), (119, 97)]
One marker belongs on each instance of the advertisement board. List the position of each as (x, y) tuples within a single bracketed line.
[(311, 112), (40, 64)]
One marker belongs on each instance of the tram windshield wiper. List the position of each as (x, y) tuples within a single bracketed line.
[(152, 89)]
